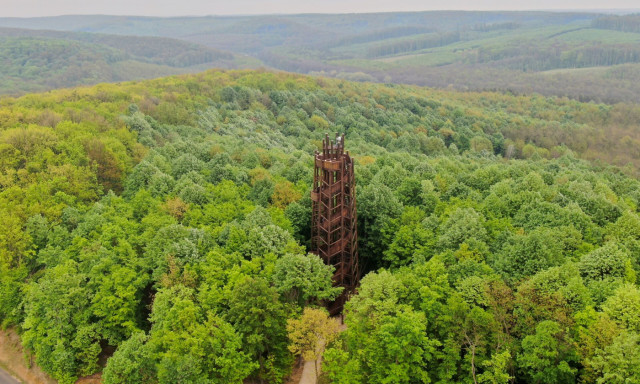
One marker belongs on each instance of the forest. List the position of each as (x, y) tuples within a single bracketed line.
[(40, 60), (586, 56), (626, 23), (157, 231)]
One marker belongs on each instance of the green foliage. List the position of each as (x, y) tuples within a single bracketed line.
[(524, 255), (56, 326), (546, 355), (257, 314), (185, 345), (395, 349), (624, 307), (462, 225), (74, 58), (496, 372), (311, 333), (619, 362), (168, 219), (607, 262), (304, 279), (131, 362), (376, 211)]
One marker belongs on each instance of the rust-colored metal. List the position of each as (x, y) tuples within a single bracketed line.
[(334, 235)]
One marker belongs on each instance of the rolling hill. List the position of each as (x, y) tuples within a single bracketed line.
[(36, 60), (157, 232), (518, 52)]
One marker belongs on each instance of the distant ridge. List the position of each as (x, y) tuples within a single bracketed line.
[(573, 53), (37, 60)]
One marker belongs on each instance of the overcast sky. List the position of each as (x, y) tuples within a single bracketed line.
[(28, 8)]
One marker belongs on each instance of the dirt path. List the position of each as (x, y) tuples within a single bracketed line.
[(309, 370), (309, 373)]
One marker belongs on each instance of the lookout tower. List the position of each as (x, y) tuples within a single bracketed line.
[(334, 236)]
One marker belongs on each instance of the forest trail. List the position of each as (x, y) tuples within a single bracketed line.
[(309, 370)]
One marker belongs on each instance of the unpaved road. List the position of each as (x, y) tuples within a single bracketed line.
[(6, 378)]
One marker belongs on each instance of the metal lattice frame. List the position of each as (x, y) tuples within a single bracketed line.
[(334, 235)]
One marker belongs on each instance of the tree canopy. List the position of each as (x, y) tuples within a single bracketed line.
[(158, 232)]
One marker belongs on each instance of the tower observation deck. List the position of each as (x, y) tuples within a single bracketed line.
[(334, 235)]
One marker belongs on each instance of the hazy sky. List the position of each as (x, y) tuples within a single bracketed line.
[(26, 8)]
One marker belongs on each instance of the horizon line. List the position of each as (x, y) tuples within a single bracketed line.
[(549, 10)]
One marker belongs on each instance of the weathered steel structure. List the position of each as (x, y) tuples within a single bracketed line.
[(334, 235)]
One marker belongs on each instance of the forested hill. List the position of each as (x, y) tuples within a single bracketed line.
[(627, 23), (37, 60), (156, 232), (585, 56)]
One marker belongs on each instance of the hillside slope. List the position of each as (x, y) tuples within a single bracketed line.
[(157, 231), (36, 60), (506, 51)]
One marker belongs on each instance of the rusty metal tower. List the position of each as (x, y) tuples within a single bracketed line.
[(334, 236)]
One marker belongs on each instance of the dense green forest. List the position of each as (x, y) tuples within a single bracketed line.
[(157, 232), (584, 56), (39, 60), (627, 23)]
